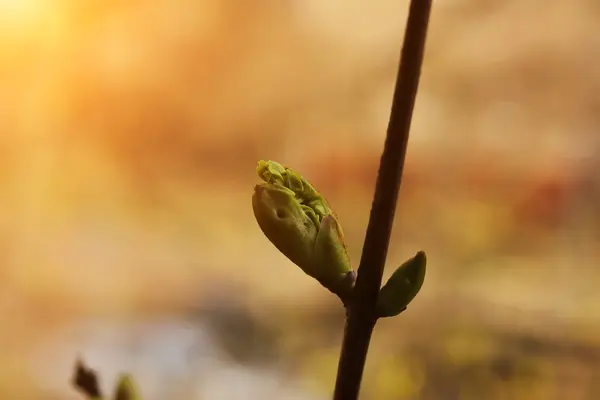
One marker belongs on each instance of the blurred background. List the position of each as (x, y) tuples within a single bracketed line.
[(129, 135)]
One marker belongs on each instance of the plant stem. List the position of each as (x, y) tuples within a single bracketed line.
[(361, 311)]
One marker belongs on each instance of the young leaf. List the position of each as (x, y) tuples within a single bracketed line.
[(402, 287), (126, 389)]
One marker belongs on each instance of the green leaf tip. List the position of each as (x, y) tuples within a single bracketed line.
[(402, 287), (86, 381), (126, 388), (300, 223)]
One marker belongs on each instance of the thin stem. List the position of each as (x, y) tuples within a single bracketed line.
[(361, 314)]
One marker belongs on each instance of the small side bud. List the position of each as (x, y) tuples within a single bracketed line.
[(126, 389), (402, 287)]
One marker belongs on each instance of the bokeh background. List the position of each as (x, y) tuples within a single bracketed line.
[(129, 135)]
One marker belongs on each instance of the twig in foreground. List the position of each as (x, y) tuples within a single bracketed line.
[(361, 312)]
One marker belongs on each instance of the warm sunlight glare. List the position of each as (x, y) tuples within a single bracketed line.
[(18, 14)]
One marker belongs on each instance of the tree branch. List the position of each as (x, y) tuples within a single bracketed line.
[(361, 312)]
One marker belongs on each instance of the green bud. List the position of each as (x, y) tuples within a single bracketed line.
[(126, 389), (402, 287), (301, 224)]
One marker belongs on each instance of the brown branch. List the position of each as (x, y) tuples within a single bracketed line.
[(361, 312), (86, 380)]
